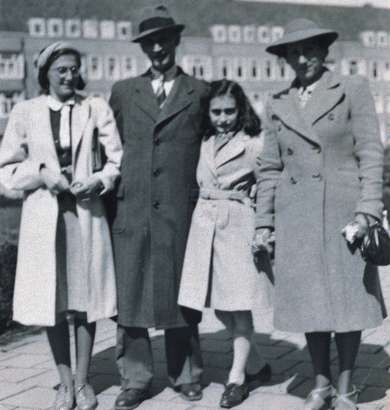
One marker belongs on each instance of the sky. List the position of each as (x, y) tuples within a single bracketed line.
[(377, 3)]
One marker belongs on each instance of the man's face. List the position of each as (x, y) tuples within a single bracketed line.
[(306, 58), (161, 49)]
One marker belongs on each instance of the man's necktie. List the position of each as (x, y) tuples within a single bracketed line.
[(160, 91)]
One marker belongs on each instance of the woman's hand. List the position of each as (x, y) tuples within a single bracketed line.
[(87, 188), (356, 229), (262, 241), (55, 182)]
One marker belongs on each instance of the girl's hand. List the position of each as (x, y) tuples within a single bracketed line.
[(87, 188), (55, 182), (262, 241)]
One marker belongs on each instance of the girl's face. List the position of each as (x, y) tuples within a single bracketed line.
[(223, 113)]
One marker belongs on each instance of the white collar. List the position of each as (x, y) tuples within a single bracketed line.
[(57, 105)]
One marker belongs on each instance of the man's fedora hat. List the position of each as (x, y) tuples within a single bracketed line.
[(298, 30), (154, 20)]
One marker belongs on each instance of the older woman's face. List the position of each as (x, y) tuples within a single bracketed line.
[(63, 76), (306, 58)]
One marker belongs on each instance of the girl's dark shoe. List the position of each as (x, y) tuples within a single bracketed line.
[(234, 395), (261, 377)]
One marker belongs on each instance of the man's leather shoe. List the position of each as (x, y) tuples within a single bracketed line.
[(234, 395), (130, 399), (191, 391)]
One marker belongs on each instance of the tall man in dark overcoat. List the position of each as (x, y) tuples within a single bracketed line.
[(159, 116)]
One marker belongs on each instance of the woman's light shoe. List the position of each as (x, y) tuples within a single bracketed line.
[(64, 398), (347, 401), (319, 398), (85, 397)]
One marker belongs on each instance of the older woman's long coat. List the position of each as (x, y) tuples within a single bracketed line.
[(27, 143), (319, 167), (218, 262)]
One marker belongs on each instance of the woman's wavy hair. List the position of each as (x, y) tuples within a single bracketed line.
[(247, 120), (42, 72)]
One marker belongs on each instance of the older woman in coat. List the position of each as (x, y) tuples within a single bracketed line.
[(321, 173), (49, 152)]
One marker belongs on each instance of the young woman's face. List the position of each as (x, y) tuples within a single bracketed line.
[(63, 76), (223, 113)]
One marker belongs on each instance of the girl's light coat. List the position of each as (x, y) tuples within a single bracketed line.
[(27, 143), (219, 242)]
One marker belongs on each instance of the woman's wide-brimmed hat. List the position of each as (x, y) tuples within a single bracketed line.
[(154, 20), (299, 30)]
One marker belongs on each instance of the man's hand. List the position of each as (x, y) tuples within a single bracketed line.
[(55, 182), (263, 240)]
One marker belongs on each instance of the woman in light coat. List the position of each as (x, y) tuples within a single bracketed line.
[(50, 152), (219, 269), (321, 175)]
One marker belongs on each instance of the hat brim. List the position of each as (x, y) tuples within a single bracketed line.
[(177, 28), (279, 47)]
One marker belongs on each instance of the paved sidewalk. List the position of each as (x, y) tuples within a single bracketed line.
[(28, 378)]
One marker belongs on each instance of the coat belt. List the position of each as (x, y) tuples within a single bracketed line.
[(218, 194)]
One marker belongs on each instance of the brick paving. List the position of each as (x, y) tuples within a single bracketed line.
[(28, 378)]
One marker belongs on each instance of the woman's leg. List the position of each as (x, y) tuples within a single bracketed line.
[(59, 342), (347, 347), (318, 344), (84, 338)]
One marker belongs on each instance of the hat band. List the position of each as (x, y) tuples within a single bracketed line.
[(156, 22)]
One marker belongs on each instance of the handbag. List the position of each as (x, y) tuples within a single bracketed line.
[(375, 246), (98, 155)]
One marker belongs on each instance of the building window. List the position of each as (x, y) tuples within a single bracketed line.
[(11, 66), (73, 28), (253, 69), (36, 27), (373, 70), (219, 33), (249, 34), (94, 67), (382, 39), (224, 68), (128, 67), (368, 38), (378, 103), (386, 70), (282, 69), (107, 29), (124, 30), (7, 102), (277, 33), (112, 68), (199, 66), (257, 103), (353, 67), (55, 28), (90, 29), (234, 34), (239, 72), (268, 70), (263, 35), (387, 103)]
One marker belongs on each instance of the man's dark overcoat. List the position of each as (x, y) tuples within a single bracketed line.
[(152, 211)]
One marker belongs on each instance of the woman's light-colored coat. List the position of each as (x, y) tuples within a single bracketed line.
[(319, 167), (218, 254), (28, 142)]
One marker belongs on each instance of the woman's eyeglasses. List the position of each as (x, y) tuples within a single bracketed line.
[(62, 70)]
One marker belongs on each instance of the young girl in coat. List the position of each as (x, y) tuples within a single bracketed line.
[(219, 269)]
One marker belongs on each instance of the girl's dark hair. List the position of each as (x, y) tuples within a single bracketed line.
[(247, 118), (42, 73)]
